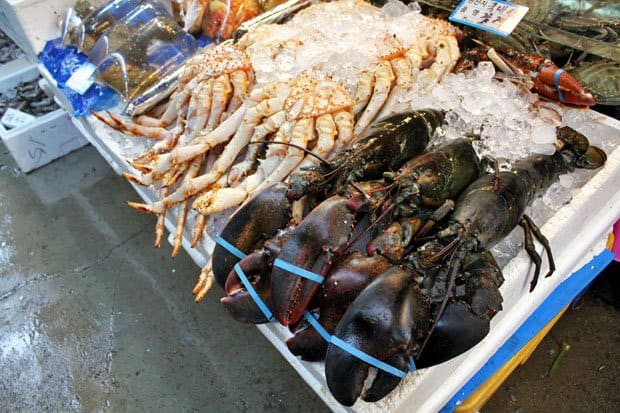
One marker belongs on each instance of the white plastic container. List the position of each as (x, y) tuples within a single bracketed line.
[(46, 138), (30, 23)]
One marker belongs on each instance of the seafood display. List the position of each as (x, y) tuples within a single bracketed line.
[(292, 102), (353, 184), (398, 269), (580, 36)]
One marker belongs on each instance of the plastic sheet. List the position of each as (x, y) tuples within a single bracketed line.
[(140, 49), (62, 62), (82, 29)]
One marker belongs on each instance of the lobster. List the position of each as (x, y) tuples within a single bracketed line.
[(328, 230), (396, 138), (390, 320), (431, 179), (386, 146)]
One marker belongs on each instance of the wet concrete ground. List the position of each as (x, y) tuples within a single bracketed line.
[(93, 318)]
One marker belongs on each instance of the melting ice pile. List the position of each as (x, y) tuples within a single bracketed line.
[(338, 39), (352, 37), (501, 114)]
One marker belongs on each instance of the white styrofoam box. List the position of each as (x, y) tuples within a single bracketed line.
[(30, 23), (13, 66), (591, 213), (46, 138)]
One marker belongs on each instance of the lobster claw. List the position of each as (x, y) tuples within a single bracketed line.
[(549, 80), (343, 283), (239, 303), (245, 231), (385, 321), (559, 85), (466, 319), (458, 330), (322, 234)]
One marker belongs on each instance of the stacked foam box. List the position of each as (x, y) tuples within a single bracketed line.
[(45, 138)]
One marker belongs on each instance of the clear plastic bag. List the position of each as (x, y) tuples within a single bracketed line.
[(140, 50), (83, 31)]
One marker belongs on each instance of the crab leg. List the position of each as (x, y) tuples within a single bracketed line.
[(267, 107), (301, 135), (201, 144), (192, 171), (127, 126), (384, 77), (270, 125), (221, 198), (197, 112), (166, 119), (199, 227), (161, 223), (222, 90), (344, 123), (205, 282), (447, 53), (363, 92), (241, 84)]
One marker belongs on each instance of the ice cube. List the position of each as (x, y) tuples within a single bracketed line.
[(557, 196)]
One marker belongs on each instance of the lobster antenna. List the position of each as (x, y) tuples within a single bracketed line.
[(361, 191), (301, 148), (371, 226)]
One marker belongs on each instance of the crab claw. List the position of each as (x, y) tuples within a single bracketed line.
[(343, 283), (321, 235), (239, 303), (257, 220), (559, 85), (385, 321)]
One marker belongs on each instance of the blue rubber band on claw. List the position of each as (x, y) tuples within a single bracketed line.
[(250, 288), (556, 82), (295, 270), (318, 327), (366, 358), (230, 248)]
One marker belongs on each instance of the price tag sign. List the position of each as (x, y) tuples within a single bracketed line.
[(495, 16), (14, 118)]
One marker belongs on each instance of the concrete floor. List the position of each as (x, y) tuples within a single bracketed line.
[(93, 318)]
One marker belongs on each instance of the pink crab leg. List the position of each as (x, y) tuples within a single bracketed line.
[(222, 89), (384, 76), (195, 111), (205, 282), (265, 108), (201, 144), (183, 209)]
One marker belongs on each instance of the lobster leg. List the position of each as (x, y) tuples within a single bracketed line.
[(531, 230)]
